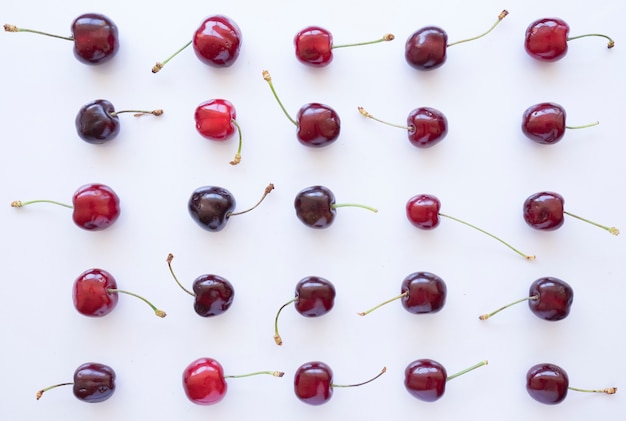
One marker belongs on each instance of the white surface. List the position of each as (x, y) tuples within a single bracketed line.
[(482, 172)]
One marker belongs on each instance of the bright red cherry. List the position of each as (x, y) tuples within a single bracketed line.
[(93, 382), (547, 39), (426, 379), (545, 123), (216, 119)]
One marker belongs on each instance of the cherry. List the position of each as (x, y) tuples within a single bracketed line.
[(547, 39), (426, 48), (426, 126), (93, 382), (545, 211), (548, 383), (211, 207), (216, 42), (318, 125), (313, 382), (420, 293), (204, 381), (314, 297), (95, 37), (216, 120), (545, 123), (213, 293), (97, 122), (95, 294), (314, 45), (316, 208), (95, 206), (549, 299), (426, 379), (423, 212)]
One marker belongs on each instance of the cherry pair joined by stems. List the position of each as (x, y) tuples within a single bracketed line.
[(95, 206), (426, 379), (93, 382), (544, 123), (316, 207), (426, 49), (216, 119), (314, 45)]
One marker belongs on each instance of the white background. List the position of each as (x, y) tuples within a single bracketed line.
[(482, 172)]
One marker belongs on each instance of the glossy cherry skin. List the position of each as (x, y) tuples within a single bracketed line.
[(214, 295), (425, 379), (318, 125), (427, 127), (314, 46), (544, 211), (96, 207), (547, 383), (96, 122), (313, 383), (214, 119), (426, 293), (426, 48), (555, 298), (314, 206), (91, 295), (203, 381), (544, 123), (217, 41), (315, 296), (211, 207), (96, 38), (546, 39), (94, 382), (423, 211)]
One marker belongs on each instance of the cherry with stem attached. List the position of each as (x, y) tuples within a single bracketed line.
[(426, 379), (216, 119), (423, 212), (544, 123), (93, 382)]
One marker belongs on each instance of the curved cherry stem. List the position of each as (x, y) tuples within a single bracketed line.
[(170, 257), (608, 390), (267, 191), (277, 338), (159, 313), (237, 158), (353, 205), (488, 315), (159, 65), (386, 37), (13, 28), (383, 371), (268, 78), (399, 126), (256, 373), (584, 126), (460, 373), (501, 16), (397, 297), (42, 391), (610, 43), (19, 203), (138, 113), (611, 230)]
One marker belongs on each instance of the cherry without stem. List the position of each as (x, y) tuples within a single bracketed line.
[(93, 382), (216, 119), (544, 123)]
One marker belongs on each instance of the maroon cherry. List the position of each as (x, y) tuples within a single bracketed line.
[(547, 39), (314, 46), (95, 37), (426, 379), (217, 43), (314, 297), (93, 382), (549, 299), (313, 382), (545, 211), (423, 212), (204, 381), (545, 123), (420, 293), (548, 383), (216, 119), (95, 206), (426, 48)]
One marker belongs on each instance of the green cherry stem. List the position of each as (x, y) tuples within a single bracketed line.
[(13, 28), (256, 373), (42, 391), (376, 307), (501, 16), (19, 203), (268, 78), (170, 257), (159, 313), (138, 113), (608, 390), (159, 65), (611, 230), (277, 338), (610, 43), (460, 373), (353, 205), (383, 371), (584, 126), (267, 191), (237, 158), (386, 37), (364, 113), (488, 315)]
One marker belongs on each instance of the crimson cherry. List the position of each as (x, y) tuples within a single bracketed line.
[(217, 43), (426, 379), (314, 297), (548, 383), (204, 381), (545, 211), (545, 123), (93, 382), (313, 382), (95, 37), (95, 206), (547, 39), (427, 47), (216, 119), (423, 212), (314, 45)]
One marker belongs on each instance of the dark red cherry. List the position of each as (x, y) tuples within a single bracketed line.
[(96, 207), (544, 123), (216, 119), (544, 211), (217, 41), (547, 383), (314, 46), (91, 293), (427, 127), (426, 48), (93, 382), (423, 211), (426, 379)]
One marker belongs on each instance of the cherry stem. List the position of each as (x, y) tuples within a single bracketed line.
[(267, 191), (353, 205), (583, 126), (386, 37), (42, 391), (486, 316), (159, 313), (460, 373), (383, 371), (170, 257), (610, 44), (19, 203), (159, 65), (501, 16), (13, 28), (525, 256), (277, 338), (399, 126), (268, 79), (138, 113), (611, 230), (365, 313), (237, 158), (608, 390), (256, 373)]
